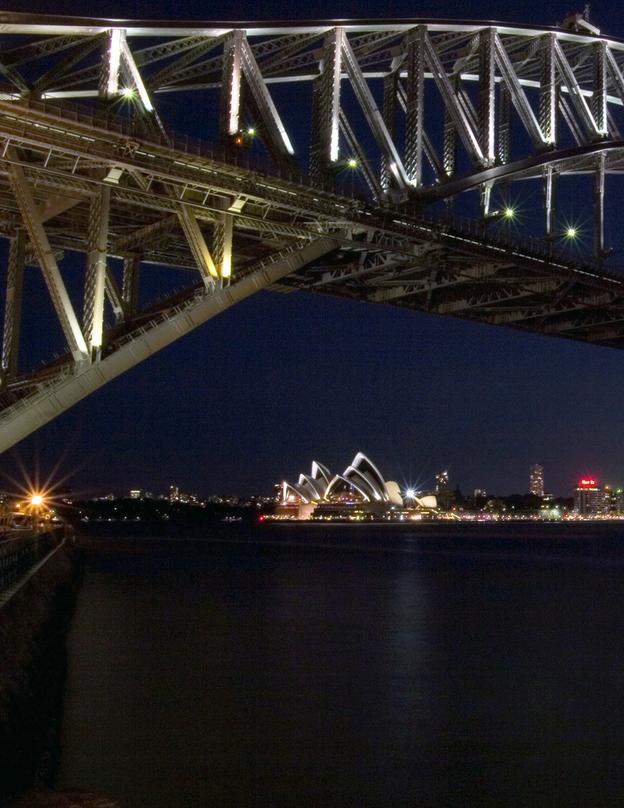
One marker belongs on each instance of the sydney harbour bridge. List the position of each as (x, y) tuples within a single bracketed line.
[(427, 164)]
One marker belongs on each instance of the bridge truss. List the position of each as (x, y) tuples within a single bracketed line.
[(423, 164)]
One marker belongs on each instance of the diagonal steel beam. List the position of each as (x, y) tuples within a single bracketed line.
[(576, 96), (203, 45), (145, 235), (363, 164), (41, 407), (45, 255), (130, 286), (453, 106), (373, 115), (273, 125), (197, 244), (81, 49), (518, 96), (114, 296), (429, 151)]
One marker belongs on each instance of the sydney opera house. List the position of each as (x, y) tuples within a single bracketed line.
[(359, 491)]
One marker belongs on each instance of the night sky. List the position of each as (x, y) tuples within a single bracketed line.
[(279, 380)]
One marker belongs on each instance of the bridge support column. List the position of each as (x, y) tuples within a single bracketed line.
[(415, 114), (486, 196), (95, 279), (222, 245), (229, 113), (111, 63), (599, 196), (449, 144), (324, 146), (599, 98), (504, 125), (13, 305), (389, 106), (548, 91), (550, 202), (487, 92)]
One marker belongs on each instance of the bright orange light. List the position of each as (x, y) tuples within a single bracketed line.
[(36, 499)]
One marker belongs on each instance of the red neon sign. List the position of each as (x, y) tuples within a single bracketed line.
[(587, 482)]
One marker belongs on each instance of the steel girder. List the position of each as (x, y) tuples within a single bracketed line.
[(58, 393), (405, 115)]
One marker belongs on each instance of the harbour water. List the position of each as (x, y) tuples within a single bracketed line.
[(350, 666)]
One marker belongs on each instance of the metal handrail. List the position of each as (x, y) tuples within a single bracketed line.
[(19, 554)]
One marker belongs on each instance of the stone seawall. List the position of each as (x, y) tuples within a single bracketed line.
[(33, 626)]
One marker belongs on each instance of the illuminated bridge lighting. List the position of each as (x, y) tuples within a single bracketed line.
[(237, 225)]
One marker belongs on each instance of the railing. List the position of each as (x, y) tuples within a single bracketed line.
[(175, 141), (488, 234), (18, 555), (399, 220), (482, 229)]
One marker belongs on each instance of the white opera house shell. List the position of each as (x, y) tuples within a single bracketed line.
[(361, 482)]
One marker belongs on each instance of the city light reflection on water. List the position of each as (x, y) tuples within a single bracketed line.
[(367, 666)]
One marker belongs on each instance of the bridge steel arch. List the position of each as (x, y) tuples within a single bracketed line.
[(391, 161)]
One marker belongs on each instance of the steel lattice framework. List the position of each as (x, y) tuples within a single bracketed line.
[(336, 158)]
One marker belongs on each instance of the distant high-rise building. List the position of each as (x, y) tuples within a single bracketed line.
[(443, 490), (589, 498), (442, 480), (536, 480)]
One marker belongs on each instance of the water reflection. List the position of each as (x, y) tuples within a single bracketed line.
[(348, 674)]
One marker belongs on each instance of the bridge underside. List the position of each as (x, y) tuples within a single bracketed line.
[(97, 195), (464, 273)]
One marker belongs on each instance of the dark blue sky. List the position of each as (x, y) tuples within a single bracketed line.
[(260, 391)]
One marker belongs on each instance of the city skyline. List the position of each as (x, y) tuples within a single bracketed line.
[(438, 482)]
